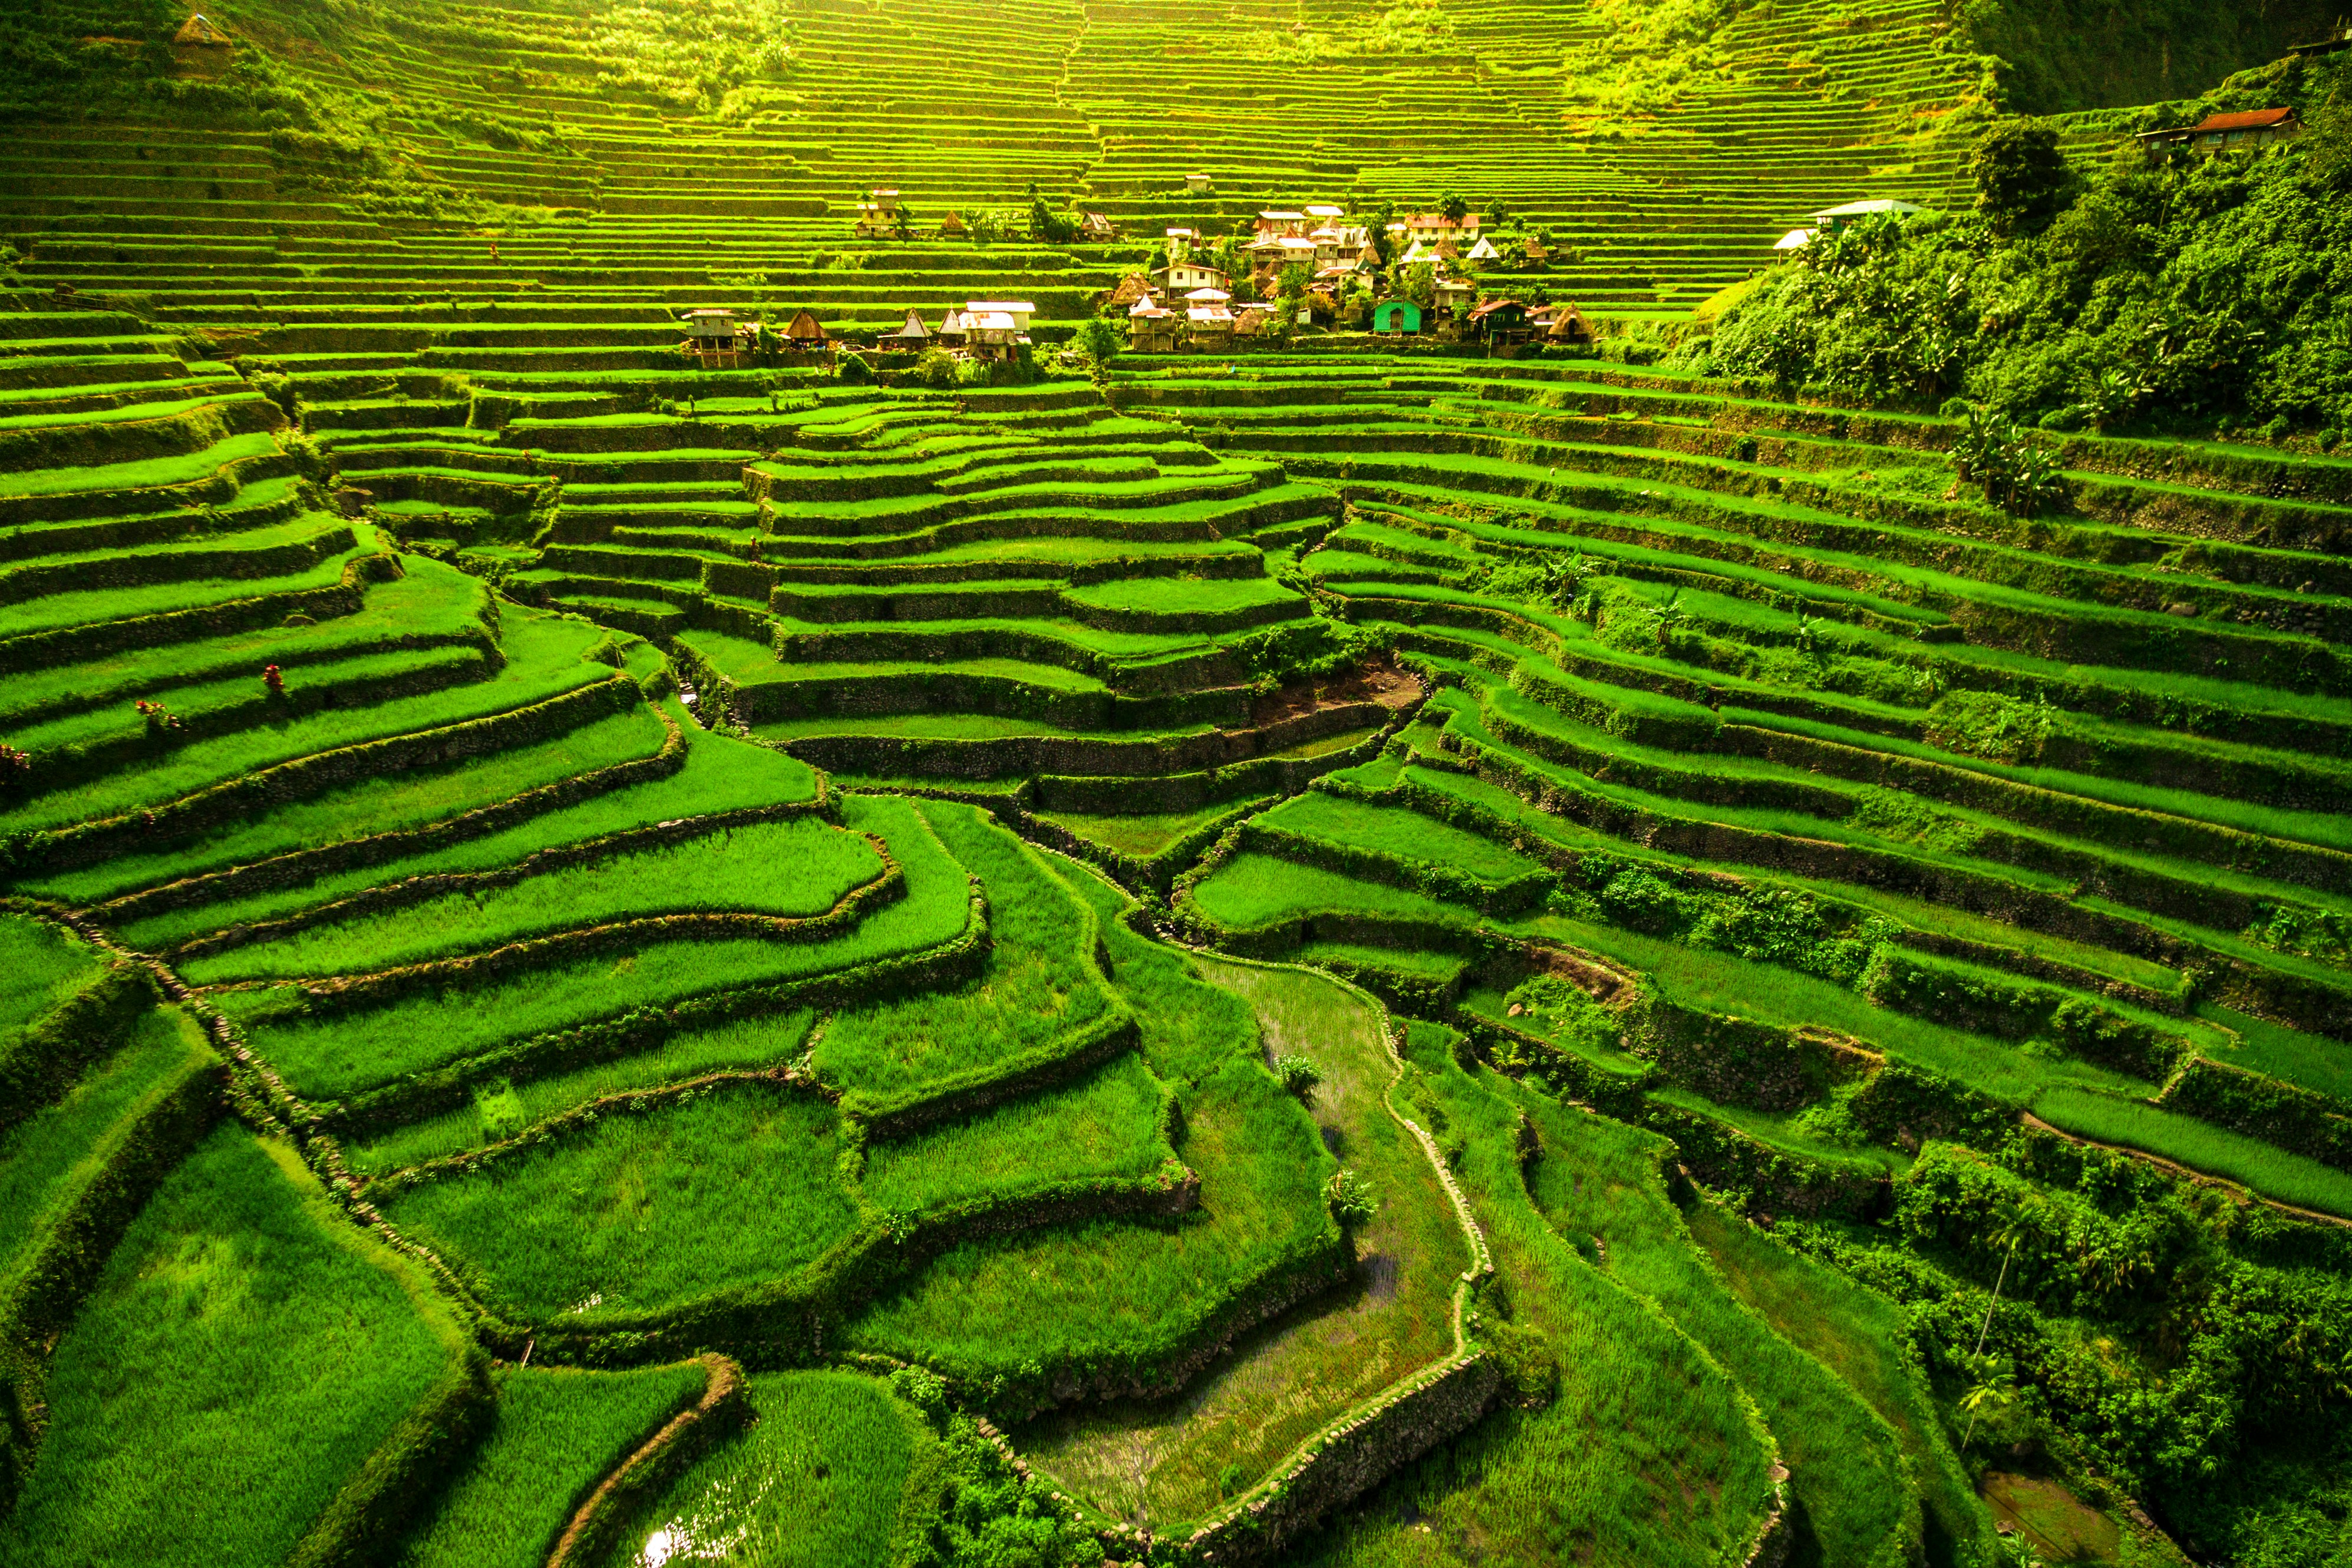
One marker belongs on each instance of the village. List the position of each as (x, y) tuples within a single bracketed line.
[(1286, 271)]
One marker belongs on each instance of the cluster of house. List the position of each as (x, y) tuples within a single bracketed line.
[(1188, 303), (982, 330), (882, 213)]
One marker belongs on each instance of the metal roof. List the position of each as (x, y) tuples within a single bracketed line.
[(1863, 209)]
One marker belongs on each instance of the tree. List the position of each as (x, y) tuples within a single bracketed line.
[(1376, 231), (1992, 1387), (1290, 292), (1047, 227), (1420, 284), (1099, 340), (1497, 213), (1454, 208), (2022, 180)]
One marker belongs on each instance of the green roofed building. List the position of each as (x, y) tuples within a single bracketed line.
[(1396, 316)]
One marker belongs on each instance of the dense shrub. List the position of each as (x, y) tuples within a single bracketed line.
[(2177, 288)]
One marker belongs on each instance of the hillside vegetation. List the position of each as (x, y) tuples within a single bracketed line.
[(1717, 941)]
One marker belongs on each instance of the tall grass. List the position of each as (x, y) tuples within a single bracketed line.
[(721, 774), (56, 611), (815, 1480), (331, 1054), (55, 1154), (1175, 1460), (394, 802), (1645, 1451), (729, 1186), (1863, 1337), (1185, 596), (543, 656), (41, 966), (1709, 981), (1144, 834), (557, 1433), (2200, 1145), (2313, 1060), (430, 600), (1107, 1125), (1039, 983), (504, 1108), (177, 469), (1254, 890), (1599, 1179), (1112, 1289), (1396, 831), (798, 867), (213, 706), (244, 1351), (1116, 1291)]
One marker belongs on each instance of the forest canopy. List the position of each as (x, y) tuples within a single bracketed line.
[(2166, 288)]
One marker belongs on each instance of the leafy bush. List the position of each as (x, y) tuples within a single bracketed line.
[(2208, 291), (1353, 1202), (2022, 180), (934, 368), (1299, 1075), (2017, 473)]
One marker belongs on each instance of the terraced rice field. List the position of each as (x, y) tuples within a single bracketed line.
[(1367, 955)]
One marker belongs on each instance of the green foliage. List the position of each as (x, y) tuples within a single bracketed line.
[(814, 1477), (1099, 340), (641, 1210), (556, 1432), (1564, 1012), (970, 1510), (1649, 55), (2022, 180), (1297, 1075), (245, 1341), (693, 57), (933, 368), (2188, 290), (2051, 57), (1353, 1202), (1991, 725), (2017, 473)]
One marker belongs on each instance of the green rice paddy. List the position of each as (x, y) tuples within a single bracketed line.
[(1328, 948)]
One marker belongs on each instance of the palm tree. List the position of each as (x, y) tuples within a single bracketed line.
[(2010, 1223), (1995, 1386)]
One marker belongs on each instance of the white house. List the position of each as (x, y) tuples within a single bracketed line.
[(992, 334), (1483, 251), (1836, 218), (1341, 242), (1020, 311), (1179, 276)]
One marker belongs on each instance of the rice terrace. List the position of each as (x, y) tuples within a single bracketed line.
[(1361, 783)]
